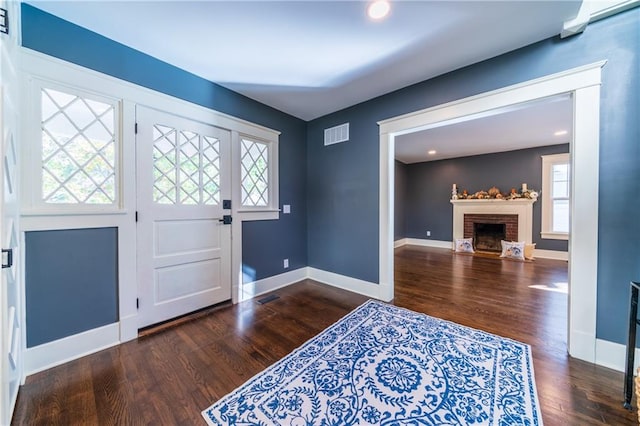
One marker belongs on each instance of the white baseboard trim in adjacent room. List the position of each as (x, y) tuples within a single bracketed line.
[(346, 283), (541, 253), (614, 355), (399, 243), (551, 254), (47, 355), (427, 243), (256, 288)]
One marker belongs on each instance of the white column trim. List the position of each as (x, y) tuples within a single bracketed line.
[(387, 218), (583, 241)]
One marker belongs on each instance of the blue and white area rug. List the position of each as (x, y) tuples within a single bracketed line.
[(384, 365)]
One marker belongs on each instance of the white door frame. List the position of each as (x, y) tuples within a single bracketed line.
[(163, 248), (583, 83)]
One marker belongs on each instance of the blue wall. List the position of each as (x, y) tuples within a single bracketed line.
[(70, 276), (343, 179), (265, 243), (428, 189), (334, 220)]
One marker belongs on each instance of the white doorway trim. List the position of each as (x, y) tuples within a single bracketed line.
[(583, 83)]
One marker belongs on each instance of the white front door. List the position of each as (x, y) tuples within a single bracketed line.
[(184, 247), (9, 291)]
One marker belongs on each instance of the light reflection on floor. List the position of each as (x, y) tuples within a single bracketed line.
[(559, 287), (245, 315)]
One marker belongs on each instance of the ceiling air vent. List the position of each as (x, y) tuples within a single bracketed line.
[(336, 134)]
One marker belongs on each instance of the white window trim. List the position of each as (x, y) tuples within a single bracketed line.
[(271, 210), (32, 203), (548, 161)]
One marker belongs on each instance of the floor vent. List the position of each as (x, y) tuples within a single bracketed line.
[(268, 299), (336, 134)]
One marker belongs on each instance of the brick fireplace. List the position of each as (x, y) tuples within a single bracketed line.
[(515, 215), (487, 230)]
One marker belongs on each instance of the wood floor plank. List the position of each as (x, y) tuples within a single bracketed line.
[(168, 376)]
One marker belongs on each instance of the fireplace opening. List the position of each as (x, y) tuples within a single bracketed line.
[(487, 236)]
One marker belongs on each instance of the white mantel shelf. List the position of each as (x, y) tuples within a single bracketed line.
[(523, 207), (495, 201)]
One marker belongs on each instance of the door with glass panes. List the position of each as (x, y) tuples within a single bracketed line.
[(184, 244)]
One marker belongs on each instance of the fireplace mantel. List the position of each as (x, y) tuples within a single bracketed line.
[(494, 201), (523, 207)]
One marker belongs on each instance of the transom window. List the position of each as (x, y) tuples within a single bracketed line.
[(79, 149), (556, 192)]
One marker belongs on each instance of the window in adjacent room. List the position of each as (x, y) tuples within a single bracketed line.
[(556, 193)]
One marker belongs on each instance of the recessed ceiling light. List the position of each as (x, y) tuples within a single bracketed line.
[(378, 9), (560, 133), (431, 152)]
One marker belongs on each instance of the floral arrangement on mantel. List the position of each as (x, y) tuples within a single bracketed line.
[(495, 194)]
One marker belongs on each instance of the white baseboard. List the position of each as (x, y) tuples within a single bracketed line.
[(346, 283), (58, 352), (42, 357), (551, 254), (614, 355), (399, 243), (426, 243), (256, 288)]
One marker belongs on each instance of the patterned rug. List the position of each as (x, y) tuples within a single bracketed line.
[(384, 365)]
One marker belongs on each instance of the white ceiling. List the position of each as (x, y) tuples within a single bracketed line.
[(311, 58), (518, 127)]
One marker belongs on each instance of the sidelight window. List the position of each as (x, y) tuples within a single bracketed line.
[(79, 148), (254, 174)]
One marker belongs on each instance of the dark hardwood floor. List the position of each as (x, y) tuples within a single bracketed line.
[(168, 377)]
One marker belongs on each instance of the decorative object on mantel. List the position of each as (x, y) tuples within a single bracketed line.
[(495, 194)]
